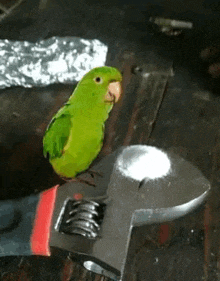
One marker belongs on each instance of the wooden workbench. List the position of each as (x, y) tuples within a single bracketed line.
[(168, 110)]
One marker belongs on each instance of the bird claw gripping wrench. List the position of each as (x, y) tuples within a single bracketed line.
[(138, 185)]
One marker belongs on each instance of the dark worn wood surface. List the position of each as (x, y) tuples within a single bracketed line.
[(154, 111)]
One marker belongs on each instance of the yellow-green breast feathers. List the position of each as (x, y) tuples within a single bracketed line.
[(75, 134)]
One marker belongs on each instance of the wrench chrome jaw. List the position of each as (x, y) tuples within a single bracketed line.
[(140, 185)]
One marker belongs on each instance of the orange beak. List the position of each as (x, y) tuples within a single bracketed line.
[(114, 92)]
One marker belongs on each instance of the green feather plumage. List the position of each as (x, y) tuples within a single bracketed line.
[(75, 134)]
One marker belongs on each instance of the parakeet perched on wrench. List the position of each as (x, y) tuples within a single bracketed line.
[(75, 134)]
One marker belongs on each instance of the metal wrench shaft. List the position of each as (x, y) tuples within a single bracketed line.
[(146, 186)]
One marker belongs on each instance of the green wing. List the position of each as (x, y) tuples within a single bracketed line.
[(57, 134)]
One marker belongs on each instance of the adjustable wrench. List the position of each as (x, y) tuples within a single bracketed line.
[(138, 185)]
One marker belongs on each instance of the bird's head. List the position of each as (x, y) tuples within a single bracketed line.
[(101, 85)]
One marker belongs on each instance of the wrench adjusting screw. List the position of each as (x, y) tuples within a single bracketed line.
[(82, 217)]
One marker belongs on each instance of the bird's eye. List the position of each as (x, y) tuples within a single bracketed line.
[(98, 80)]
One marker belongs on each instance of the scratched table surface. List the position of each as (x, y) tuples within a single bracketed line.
[(170, 101)]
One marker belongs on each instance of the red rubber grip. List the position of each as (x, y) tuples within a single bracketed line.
[(42, 224)]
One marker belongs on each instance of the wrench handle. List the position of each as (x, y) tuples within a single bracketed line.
[(25, 224)]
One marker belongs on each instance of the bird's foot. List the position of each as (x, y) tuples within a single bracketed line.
[(86, 178), (82, 179), (89, 176), (67, 179), (94, 172)]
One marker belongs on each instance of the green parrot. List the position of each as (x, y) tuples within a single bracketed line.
[(75, 134)]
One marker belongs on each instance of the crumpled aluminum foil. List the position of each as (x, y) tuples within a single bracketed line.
[(55, 60)]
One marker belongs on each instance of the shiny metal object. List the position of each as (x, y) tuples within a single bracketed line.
[(172, 23), (140, 185), (171, 27), (55, 60), (82, 217)]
